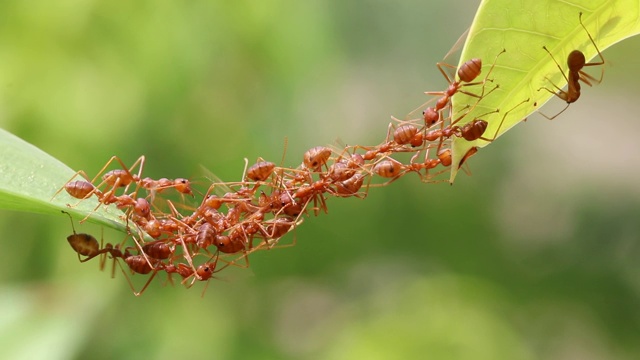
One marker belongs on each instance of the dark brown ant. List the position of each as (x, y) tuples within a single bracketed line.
[(87, 245), (83, 244), (576, 61)]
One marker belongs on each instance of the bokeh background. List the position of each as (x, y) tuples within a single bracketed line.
[(536, 255)]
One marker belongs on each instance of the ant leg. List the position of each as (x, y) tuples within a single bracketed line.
[(602, 61), (556, 115), (440, 66), (587, 79), (558, 65), (155, 271), (501, 122)]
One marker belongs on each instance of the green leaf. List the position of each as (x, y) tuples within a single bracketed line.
[(29, 178), (522, 28)]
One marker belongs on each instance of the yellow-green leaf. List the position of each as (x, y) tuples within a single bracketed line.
[(29, 178), (522, 28)]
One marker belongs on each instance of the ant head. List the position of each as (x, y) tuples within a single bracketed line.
[(576, 60), (142, 208), (183, 186), (431, 116)]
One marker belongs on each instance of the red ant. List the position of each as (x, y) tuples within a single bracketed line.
[(81, 189), (474, 130), (315, 157), (467, 72), (428, 164), (119, 177), (470, 131), (205, 272), (181, 185), (123, 178), (576, 61), (391, 146)]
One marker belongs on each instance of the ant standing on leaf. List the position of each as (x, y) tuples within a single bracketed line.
[(576, 61), (467, 73)]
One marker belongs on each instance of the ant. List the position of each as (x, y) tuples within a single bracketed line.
[(153, 187), (471, 131), (474, 129), (443, 157), (467, 72), (406, 133), (205, 272), (81, 189), (87, 245), (576, 61)]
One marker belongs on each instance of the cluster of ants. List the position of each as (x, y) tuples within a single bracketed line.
[(232, 220)]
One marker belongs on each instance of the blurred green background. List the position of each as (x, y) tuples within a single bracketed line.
[(545, 263)]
